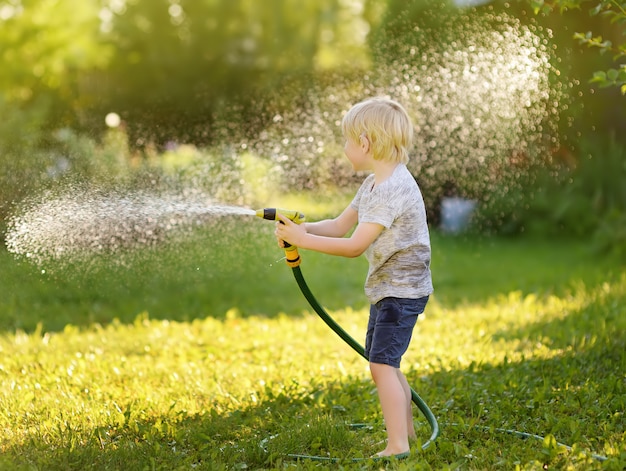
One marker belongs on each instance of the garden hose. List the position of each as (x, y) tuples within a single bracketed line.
[(417, 400), (293, 261), (321, 312)]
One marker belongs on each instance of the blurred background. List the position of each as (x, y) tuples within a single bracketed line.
[(517, 105)]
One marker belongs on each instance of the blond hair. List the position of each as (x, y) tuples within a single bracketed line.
[(386, 125)]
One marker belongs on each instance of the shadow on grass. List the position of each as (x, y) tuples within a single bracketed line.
[(197, 278), (243, 273), (492, 413)]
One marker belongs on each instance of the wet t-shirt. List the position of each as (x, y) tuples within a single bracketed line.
[(399, 259)]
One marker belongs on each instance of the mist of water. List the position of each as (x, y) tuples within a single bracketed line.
[(86, 222), (484, 105)]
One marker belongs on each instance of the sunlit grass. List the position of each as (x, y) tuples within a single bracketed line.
[(211, 391)]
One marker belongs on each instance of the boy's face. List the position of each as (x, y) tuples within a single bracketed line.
[(358, 153)]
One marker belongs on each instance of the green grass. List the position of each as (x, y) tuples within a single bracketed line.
[(202, 354)]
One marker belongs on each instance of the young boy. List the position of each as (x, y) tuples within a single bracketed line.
[(391, 229)]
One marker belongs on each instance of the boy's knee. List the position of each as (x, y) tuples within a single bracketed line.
[(382, 370)]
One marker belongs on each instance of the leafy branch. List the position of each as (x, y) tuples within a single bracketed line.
[(616, 14)]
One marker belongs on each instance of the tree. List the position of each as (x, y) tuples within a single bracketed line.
[(613, 11), (177, 63), (44, 46)]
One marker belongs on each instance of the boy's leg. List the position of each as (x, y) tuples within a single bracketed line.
[(410, 426), (392, 398), (389, 332)]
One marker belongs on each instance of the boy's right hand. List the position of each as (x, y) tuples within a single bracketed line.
[(288, 231)]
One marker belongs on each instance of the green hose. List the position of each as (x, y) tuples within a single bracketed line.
[(417, 400), (293, 260)]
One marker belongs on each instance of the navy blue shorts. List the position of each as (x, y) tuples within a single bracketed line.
[(390, 328)]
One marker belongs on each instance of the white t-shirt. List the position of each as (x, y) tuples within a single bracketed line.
[(399, 259)]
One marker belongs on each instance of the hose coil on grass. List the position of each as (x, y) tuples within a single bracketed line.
[(357, 347), (417, 400)]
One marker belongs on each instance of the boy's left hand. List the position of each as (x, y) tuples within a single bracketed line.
[(288, 231)]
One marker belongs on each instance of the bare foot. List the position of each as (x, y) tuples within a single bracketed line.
[(389, 452)]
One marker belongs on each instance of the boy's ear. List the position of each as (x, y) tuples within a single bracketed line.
[(365, 142)]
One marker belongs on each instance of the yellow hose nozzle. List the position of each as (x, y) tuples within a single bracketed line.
[(271, 214), (292, 257)]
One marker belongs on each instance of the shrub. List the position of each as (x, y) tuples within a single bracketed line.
[(583, 198), (220, 171), (20, 164), (32, 159)]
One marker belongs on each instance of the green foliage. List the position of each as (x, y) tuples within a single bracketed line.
[(156, 61), (585, 198), (107, 381), (20, 166), (68, 157), (612, 77), (44, 47), (408, 18), (44, 44), (187, 71), (614, 14), (177, 65)]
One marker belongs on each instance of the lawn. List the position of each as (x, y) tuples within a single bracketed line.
[(204, 355)]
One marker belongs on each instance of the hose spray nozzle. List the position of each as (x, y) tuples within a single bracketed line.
[(271, 214), (292, 256)]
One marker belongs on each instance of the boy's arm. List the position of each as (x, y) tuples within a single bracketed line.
[(353, 246), (337, 227)]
